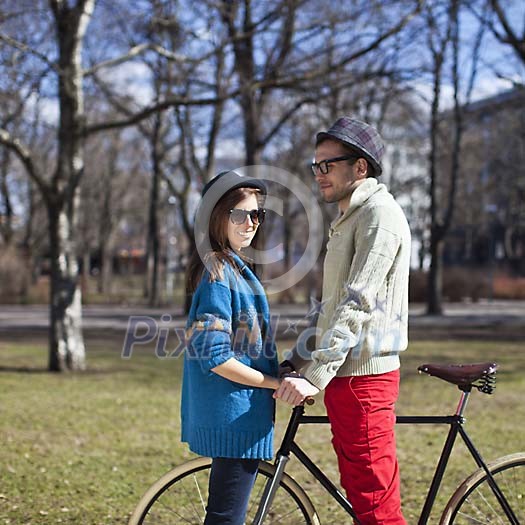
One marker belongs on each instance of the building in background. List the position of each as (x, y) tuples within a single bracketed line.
[(488, 228)]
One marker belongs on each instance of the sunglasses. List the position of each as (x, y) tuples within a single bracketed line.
[(323, 166), (238, 216)]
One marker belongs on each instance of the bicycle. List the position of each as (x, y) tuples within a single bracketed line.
[(495, 493)]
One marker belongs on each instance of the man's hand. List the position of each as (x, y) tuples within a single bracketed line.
[(294, 390), (285, 368)]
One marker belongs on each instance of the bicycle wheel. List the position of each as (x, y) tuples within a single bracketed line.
[(474, 501), (180, 497)]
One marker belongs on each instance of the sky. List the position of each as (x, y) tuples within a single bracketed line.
[(498, 68)]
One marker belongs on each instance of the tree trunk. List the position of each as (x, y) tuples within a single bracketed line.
[(6, 228), (104, 233), (251, 127), (440, 223), (153, 242), (66, 343), (106, 269), (216, 118), (435, 277), (86, 271), (288, 295)]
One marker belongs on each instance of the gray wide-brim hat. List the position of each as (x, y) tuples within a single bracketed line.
[(230, 180), (359, 135)]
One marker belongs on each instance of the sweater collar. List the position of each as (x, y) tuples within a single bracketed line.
[(244, 268), (255, 285), (238, 261), (360, 195)]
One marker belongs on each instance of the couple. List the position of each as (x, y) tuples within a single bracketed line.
[(231, 374)]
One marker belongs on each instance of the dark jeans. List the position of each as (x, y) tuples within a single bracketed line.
[(231, 481)]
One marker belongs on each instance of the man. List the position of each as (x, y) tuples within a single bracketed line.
[(362, 324)]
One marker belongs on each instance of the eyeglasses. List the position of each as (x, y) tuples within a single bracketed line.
[(323, 166), (238, 216)]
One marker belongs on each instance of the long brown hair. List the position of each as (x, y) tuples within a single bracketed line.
[(221, 251)]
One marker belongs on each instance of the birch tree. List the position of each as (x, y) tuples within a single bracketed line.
[(60, 191), (55, 49)]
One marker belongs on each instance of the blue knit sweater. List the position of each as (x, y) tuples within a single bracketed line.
[(228, 318)]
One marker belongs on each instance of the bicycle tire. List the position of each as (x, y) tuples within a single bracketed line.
[(474, 501), (180, 497)]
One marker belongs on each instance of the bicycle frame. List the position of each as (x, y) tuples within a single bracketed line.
[(456, 422)]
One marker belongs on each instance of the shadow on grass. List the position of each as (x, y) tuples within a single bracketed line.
[(44, 371), (24, 370)]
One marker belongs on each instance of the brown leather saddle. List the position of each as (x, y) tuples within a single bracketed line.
[(479, 375)]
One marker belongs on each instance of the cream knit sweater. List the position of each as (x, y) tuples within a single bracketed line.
[(363, 318)]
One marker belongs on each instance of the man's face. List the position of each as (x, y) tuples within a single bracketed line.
[(338, 184)]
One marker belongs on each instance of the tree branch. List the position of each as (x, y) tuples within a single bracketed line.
[(286, 37), (457, 116), (512, 39), (56, 7), (22, 152), (320, 72), (26, 49), (284, 118), (160, 106), (282, 82), (134, 52)]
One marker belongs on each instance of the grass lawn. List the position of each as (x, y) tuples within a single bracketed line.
[(82, 448)]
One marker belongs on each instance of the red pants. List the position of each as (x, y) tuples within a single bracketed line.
[(361, 413)]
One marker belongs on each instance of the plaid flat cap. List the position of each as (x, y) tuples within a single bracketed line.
[(359, 135)]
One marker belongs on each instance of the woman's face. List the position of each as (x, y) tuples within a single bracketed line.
[(241, 235)]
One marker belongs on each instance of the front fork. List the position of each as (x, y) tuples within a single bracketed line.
[(270, 489), (282, 458)]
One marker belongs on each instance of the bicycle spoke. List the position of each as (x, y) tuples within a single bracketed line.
[(515, 486), (183, 500), (479, 504), (282, 510), (471, 519), (188, 494), (281, 517), (189, 490), (174, 512), (492, 510), (201, 499), (256, 498)]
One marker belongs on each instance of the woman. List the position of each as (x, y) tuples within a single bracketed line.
[(230, 364)]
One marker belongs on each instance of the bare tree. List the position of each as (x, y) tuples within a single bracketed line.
[(506, 30), (287, 67), (61, 192), (444, 181), (440, 17), (113, 172), (13, 102), (68, 22), (170, 134), (6, 210)]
